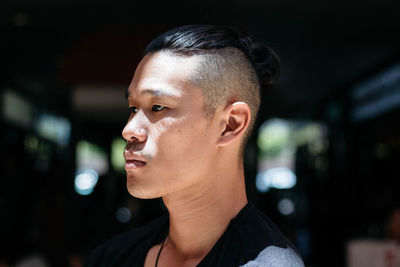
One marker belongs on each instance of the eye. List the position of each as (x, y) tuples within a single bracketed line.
[(133, 109), (157, 108)]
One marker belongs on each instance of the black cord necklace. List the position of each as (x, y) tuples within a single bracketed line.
[(159, 252)]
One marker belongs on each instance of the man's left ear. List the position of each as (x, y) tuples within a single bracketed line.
[(236, 120)]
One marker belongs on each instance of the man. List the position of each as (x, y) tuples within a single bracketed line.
[(194, 98)]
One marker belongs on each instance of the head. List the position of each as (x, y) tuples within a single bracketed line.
[(232, 66), (195, 93)]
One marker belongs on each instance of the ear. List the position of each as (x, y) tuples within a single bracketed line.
[(236, 120)]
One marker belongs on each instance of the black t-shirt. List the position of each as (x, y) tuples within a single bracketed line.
[(251, 240)]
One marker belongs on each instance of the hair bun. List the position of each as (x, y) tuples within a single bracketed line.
[(265, 61)]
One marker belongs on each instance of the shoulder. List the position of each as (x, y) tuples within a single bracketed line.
[(276, 257), (120, 246), (262, 241)]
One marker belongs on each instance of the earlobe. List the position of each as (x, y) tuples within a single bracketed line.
[(236, 121)]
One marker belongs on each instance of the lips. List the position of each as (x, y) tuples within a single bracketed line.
[(133, 161), (134, 164)]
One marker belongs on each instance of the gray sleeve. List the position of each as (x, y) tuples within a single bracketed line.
[(276, 257)]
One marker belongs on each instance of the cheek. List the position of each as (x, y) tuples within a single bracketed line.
[(161, 136), (165, 125), (176, 134), (178, 137)]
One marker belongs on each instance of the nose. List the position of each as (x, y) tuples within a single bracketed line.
[(135, 130)]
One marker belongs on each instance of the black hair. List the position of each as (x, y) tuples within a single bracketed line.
[(195, 39)]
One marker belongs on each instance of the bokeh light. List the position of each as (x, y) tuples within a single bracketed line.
[(85, 181)]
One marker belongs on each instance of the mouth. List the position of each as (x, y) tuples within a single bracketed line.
[(134, 164)]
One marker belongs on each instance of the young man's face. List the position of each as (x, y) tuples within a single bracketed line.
[(171, 142)]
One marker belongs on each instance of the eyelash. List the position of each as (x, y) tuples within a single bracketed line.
[(157, 108), (154, 108)]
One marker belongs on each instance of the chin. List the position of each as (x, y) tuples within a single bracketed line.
[(142, 193)]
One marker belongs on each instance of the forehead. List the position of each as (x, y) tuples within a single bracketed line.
[(164, 73)]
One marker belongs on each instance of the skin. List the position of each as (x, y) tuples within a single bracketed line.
[(176, 152)]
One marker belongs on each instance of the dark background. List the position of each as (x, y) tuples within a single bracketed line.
[(50, 50)]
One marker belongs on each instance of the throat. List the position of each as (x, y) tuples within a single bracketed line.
[(199, 216), (195, 233)]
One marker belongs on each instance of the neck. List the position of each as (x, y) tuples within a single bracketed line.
[(200, 215)]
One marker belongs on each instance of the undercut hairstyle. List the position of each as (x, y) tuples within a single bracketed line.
[(233, 67)]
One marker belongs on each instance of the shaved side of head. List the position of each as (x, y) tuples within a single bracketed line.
[(226, 75)]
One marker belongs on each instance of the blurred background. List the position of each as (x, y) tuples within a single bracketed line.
[(323, 163)]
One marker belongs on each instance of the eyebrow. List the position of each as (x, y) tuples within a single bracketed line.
[(153, 92)]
